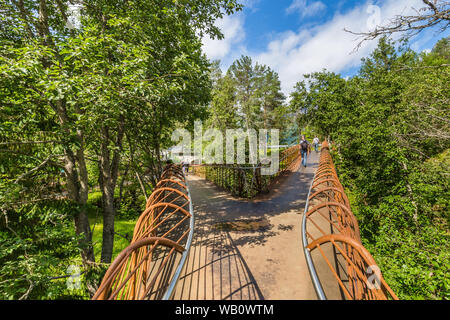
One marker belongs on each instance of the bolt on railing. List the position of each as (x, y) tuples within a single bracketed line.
[(332, 243), (150, 266), (245, 181)]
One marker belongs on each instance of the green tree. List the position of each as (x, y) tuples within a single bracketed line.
[(223, 113), (258, 94), (270, 97), (244, 77)]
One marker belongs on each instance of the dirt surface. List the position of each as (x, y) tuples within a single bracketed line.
[(249, 249)]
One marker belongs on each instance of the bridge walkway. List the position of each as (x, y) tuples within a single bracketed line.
[(249, 250)]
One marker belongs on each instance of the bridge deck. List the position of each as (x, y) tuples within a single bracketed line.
[(259, 255)]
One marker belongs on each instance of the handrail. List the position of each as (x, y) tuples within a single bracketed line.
[(170, 291), (331, 210), (312, 270), (141, 270)]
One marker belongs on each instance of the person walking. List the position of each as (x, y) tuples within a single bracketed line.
[(304, 146), (185, 166), (316, 144)]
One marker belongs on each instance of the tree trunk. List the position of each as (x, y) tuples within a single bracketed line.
[(108, 208), (78, 195), (121, 183), (109, 212), (141, 183), (109, 171), (83, 197), (77, 186)]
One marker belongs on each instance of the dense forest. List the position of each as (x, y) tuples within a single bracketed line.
[(85, 114)]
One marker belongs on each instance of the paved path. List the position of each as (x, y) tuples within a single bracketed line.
[(248, 249)]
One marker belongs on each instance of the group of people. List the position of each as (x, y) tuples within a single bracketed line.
[(305, 148)]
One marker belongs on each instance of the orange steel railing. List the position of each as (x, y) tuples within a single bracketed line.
[(150, 266), (332, 243)]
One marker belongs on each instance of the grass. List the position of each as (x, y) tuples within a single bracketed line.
[(123, 227)]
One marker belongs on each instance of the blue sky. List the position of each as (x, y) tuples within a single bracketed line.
[(295, 37)]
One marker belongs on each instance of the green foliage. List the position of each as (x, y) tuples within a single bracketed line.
[(132, 203), (442, 49), (37, 243)]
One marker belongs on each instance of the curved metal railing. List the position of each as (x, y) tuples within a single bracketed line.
[(150, 266), (332, 243)]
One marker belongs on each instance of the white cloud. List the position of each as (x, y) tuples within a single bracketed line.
[(328, 46), (232, 28), (305, 9)]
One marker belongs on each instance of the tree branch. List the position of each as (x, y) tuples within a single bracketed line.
[(41, 165), (25, 16), (434, 13), (26, 142), (25, 295)]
